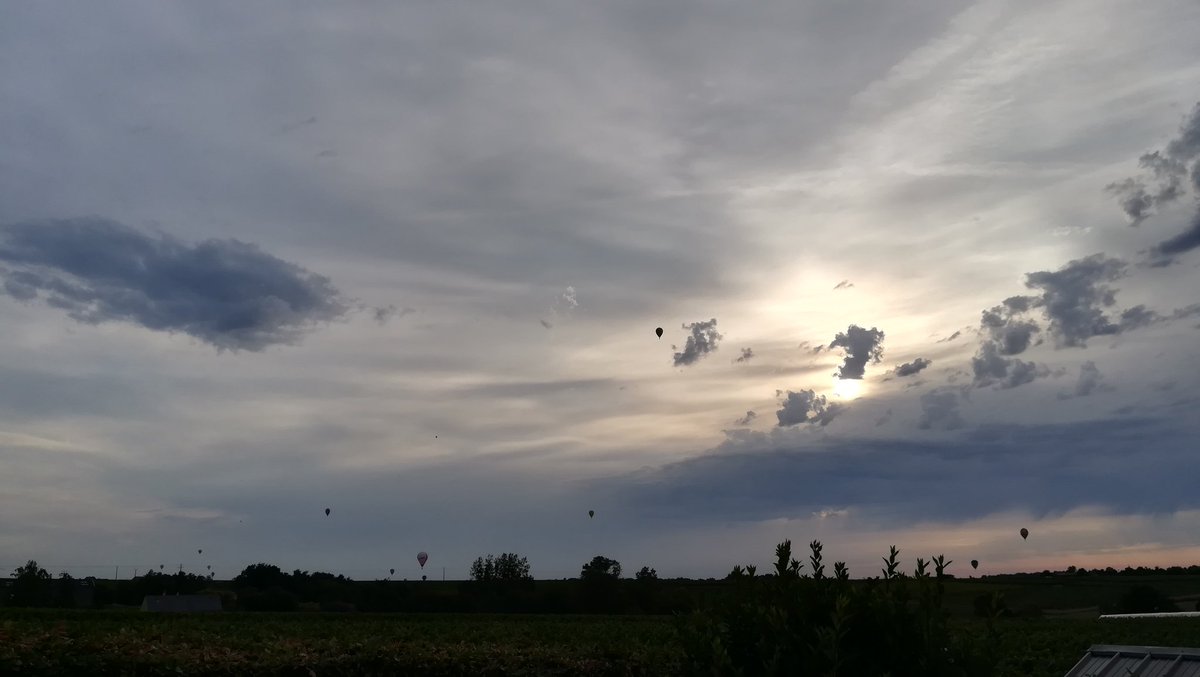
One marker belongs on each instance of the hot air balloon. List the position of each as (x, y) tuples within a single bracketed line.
[(393, 571), (160, 567), (327, 512), (199, 551), (209, 567), (659, 332), (1024, 533), (422, 557), (422, 576), (591, 513), (974, 564)]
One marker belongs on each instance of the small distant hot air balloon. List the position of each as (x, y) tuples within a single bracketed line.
[(327, 512), (591, 513), (974, 564), (393, 571), (199, 551), (1024, 533), (659, 332), (209, 567), (422, 576), (160, 567), (422, 557)]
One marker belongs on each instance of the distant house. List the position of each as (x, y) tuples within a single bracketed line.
[(181, 603)]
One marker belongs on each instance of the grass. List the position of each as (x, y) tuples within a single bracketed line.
[(50, 642)]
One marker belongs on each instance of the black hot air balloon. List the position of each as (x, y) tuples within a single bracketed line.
[(327, 512), (974, 564), (1024, 533), (199, 551), (591, 513), (422, 577), (209, 567), (659, 332), (393, 571)]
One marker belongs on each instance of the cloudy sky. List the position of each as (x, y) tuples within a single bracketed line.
[(925, 276)]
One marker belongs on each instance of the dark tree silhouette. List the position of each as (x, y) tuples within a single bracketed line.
[(509, 567), (601, 568)]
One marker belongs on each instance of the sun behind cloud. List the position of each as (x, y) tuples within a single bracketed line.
[(848, 388)]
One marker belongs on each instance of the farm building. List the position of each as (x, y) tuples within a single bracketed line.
[(181, 603), (1160, 661)]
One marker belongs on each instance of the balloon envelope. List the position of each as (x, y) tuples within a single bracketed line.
[(393, 571), (1024, 533), (659, 332), (422, 557), (199, 552), (591, 513), (974, 564), (327, 512)]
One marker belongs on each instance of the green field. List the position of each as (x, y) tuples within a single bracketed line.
[(57, 642)]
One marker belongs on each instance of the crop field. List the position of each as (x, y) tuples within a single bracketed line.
[(50, 642)]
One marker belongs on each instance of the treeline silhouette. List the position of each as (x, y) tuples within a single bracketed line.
[(498, 584), (501, 584)]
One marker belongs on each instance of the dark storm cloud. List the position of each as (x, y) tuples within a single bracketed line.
[(910, 368), (806, 407), (1137, 317), (703, 340), (939, 410), (1073, 298), (844, 284), (861, 346), (1168, 169), (1044, 468), (747, 353), (745, 420), (991, 368), (1164, 252), (1089, 381), (1134, 200), (227, 293)]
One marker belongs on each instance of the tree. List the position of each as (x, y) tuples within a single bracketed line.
[(1145, 599), (600, 585), (509, 567), (601, 568), (261, 576), (646, 574), (31, 585)]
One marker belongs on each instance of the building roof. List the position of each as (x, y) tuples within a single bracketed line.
[(1108, 660)]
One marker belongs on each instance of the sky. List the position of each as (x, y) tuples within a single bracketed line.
[(926, 274)]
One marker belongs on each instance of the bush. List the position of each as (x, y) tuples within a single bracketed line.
[(1143, 599), (793, 624), (272, 599)]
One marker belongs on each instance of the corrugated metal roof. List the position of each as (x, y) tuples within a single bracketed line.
[(1168, 614), (1107, 660)]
